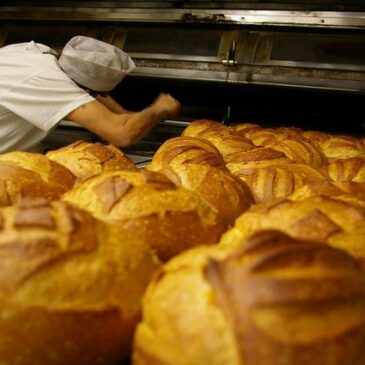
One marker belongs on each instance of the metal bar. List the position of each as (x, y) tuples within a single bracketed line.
[(323, 19), (204, 4), (164, 56), (298, 82), (175, 123)]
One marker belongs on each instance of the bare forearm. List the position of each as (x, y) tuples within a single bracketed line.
[(123, 129), (111, 104), (136, 125)]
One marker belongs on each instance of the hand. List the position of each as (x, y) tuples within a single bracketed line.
[(166, 106)]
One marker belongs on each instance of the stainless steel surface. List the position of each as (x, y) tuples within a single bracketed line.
[(321, 19), (297, 82), (176, 73)]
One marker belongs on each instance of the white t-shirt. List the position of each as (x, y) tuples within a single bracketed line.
[(35, 95)]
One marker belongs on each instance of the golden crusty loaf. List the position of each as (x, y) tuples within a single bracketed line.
[(336, 146), (224, 191), (25, 174), (351, 169), (225, 139), (342, 147), (289, 141), (197, 127), (340, 224), (246, 163), (70, 286), (272, 301), (86, 159), (300, 150), (51, 172), (244, 127), (180, 150), (350, 192), (259, 136), (277, 182), (149, 205)]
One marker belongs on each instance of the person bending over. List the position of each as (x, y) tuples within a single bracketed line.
[(38, 90)]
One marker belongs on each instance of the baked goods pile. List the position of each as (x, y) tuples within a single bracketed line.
[(235, 245)]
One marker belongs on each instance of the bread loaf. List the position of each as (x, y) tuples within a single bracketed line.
[(338, 223), (86, 159), (277, 182), (317, 188), (265, 136), (50, 172), (300, 150), (225, 139), (289, 141), (246, 163), (224, 191), (260, 136), (180, 150), (197, 127), (351, 169), (272, 301), (70, 286), (25, 174), (336, 146), (244, 127), (315, 137), (149, 205)]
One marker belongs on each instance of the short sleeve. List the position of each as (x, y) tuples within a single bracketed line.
[(45, 98)]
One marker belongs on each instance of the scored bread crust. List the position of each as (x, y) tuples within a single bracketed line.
[(86, 159), (26, 174), (339, 223), (180, 150), (70, 286), (224, 191), (225, 139), (273, 300), (149, 205)]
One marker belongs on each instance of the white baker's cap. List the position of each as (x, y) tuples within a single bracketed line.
[(97, 65)]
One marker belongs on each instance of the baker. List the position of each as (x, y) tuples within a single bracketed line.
[(38, 90)]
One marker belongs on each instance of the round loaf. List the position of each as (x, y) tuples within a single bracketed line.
[(180, 150), (278, 182), (149, 205), (352, 169), (342, 147), (336, 146), (196, 127), (224, 191), (25, 174), (289, 141), (246, 163), (315, 137), (86, 159), (50, 172), (260, 136), (225, 139), (70, 286), (300, 150), (350, 192), (338, 223), (272, 301), (244, 127)]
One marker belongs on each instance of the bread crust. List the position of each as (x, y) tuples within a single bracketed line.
[(86, 159), (70, 286), (273, 300)]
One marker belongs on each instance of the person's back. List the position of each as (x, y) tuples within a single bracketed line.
[(35, 94)]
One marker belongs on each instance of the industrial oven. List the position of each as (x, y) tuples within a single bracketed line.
[(268, 62)]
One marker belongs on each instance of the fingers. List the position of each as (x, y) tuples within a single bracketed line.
[(167, 105)]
